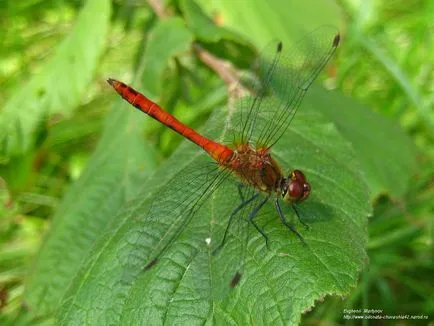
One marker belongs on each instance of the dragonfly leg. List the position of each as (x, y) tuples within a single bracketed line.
[(299, 218), (253, 215), (285, 222), (231, 219)]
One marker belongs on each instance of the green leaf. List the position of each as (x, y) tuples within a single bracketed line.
[(425, 111), (170, 38), (116, 171), (216, 39), (263, 21), (385, 153), (60, 85), (203, 27), (278, 285)]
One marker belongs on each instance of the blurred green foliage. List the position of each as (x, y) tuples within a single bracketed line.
[(55, 106)]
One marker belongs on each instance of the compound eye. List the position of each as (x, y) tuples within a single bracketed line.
[(298, 175), (298, 189), (295, 190)]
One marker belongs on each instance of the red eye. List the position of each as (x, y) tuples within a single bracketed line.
[(298, 175), (298, 188), (295, 190)]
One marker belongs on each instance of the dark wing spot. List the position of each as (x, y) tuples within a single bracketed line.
[(336, 40), (279, 47)]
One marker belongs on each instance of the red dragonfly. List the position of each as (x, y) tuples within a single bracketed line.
[(276, 88)]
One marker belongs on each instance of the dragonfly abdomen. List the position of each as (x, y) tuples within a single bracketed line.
[(218, 152)]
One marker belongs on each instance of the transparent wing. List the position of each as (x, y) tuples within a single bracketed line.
[(281, 76), (202, 200), (231, 236), (180, 199), (171, 210)]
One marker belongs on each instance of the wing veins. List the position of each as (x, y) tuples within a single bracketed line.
[(191, 207), (255, 106), (269, 133)]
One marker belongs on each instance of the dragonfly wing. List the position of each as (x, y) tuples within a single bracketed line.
[(279, 82), (170, 212), (230, 251), (182, 198), (182, 229)]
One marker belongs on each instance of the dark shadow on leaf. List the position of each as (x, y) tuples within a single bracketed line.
[(313, 212)]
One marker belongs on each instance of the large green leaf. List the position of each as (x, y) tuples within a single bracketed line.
[(278, 284), (202, 26), (263, 21), (388, 164), (60, 85), (218, 40), (170, 33), (116, 171)]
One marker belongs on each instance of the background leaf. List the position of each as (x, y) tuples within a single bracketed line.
[(262, 21), (381, 161), (59, 87), (117, 170), (202, 26), (168, 32)]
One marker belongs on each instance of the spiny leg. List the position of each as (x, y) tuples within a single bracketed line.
[(285, 222), (299, 218), (231, 218), (253, 215)]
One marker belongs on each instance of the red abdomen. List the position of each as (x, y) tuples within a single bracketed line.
[(218, 152)]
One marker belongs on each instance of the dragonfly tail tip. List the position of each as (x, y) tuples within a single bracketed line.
[(111, 81)]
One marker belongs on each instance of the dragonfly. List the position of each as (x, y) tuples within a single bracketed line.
[(275, 88)]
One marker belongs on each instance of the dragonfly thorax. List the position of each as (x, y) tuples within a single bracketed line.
[(257, 168)]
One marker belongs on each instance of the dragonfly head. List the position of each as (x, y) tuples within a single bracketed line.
[(295, 188)]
